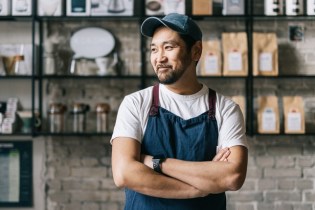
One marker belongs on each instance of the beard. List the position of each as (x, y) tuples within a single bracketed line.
[(171, 76)]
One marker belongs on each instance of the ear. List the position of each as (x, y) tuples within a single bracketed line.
[(196, 51)]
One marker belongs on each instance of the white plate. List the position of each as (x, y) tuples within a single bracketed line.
[(92, 42)]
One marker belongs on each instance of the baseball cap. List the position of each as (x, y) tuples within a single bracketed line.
[(177, 22)]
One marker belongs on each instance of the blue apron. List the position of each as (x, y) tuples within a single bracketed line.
[(194, 139)]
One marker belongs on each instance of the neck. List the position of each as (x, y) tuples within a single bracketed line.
[(186, 85)]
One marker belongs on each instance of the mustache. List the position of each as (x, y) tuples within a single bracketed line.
[(163, 66)]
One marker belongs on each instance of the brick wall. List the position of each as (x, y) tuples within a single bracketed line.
[(281, 170)]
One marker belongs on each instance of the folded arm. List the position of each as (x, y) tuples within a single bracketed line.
[(129, 172), (214, 176)]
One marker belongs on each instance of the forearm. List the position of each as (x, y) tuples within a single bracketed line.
[(142, 179), (211, 176), (129, 172), (226, 171)]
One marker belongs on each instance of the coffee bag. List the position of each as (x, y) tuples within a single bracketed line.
[(211, 59), (268, 115), (265, 54), (235, 54), (294, 119)]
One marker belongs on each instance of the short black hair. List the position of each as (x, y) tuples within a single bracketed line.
[(189, 41)]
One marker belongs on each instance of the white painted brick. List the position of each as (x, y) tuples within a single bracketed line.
[(303, 206), (81, 184), (309, 196), (309, 172), (267, 184), (90, 196), (265, 161), (108, 184), (245, 206), (117, 196), (284, 206), (286, 184), (89, 162), (110, 206), (60, 197), (71, 206), (244, 196), (90, 206), (254, 172), (98, 172), (285, 162), (303, 184), (265, 206), (283, 196), (306, 161), (291, 172)]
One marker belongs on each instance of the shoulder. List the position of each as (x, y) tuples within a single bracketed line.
[(225, 103), (139, 98)]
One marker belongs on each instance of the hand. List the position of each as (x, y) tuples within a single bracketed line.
[(147, 160), (222, 155)]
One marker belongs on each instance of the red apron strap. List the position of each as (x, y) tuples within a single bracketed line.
[(155, 101), (212, 102)]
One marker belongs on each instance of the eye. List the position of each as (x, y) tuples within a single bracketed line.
[(169, 47), (153, 49)]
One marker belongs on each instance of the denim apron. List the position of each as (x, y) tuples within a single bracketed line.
[(194, 139)]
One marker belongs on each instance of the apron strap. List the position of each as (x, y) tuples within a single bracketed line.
[(155, 101), (212, 101)]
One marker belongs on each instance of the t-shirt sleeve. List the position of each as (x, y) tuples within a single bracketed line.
[(232, 130), (127, 121)]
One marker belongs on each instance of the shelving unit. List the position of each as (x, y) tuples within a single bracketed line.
[(144, 78)]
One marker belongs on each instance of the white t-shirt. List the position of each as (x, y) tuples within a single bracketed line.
[(133, 114)]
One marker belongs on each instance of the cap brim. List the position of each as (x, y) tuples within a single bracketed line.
[(152, 23)]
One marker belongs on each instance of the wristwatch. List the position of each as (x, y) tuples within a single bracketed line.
[(157, 160)]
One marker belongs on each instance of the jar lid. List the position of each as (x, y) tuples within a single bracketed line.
[(102, 108), (57, 108), (80, 108)]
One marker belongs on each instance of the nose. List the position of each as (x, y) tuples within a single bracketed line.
[(160, 57)]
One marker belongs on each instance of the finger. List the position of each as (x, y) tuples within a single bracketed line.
[(220, 154), (225, 155)]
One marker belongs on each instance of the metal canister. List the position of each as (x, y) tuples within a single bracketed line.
[(79, 117), (56, 115), (102, 110)]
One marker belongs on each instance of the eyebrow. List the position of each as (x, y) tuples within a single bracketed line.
[(166, 42)]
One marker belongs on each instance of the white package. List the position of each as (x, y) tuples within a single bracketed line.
[(174, 6), (49, 7), (310, 5), (273, 8), (112, 7), (5, 7), (78, 7), (294, 7), (233, 7), (21, 7)]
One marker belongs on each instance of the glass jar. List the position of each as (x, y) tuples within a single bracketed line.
[(56, 117), (102, 110), (79, 117)]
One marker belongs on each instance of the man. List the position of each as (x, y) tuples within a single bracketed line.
[(166, 137)]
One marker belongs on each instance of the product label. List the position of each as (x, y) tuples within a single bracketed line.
[(269, 120), (294, 121), (211, 64), (265, 62), (235, 61)]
